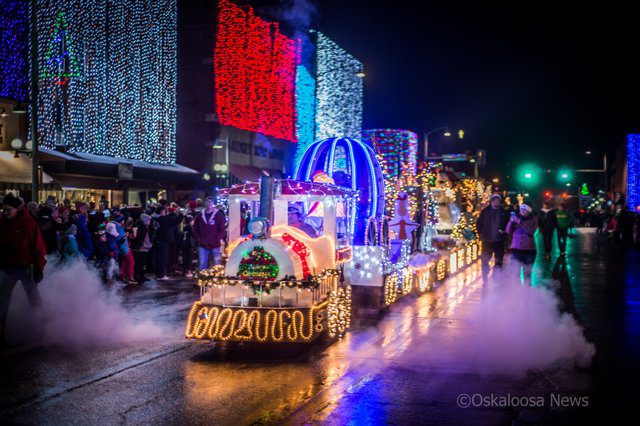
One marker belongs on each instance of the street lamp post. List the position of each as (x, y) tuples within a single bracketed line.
[(446, 133), (227, 169), (603, 171), (34, 101)]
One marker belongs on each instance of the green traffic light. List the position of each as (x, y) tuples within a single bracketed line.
[(528, 174), (564, 174)]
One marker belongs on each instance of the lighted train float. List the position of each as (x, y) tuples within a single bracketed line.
[(281, 284)]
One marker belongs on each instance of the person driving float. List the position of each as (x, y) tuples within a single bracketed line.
[(296, 220)]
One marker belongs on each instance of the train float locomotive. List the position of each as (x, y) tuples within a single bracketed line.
[(290, 281)]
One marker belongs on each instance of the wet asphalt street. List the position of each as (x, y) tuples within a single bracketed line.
[(398, 370)]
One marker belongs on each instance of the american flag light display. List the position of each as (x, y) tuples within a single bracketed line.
[(255, 73)]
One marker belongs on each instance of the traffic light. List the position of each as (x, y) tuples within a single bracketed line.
[(527, 175), (564, 174)]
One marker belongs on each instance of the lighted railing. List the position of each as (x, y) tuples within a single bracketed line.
[(234, 292)]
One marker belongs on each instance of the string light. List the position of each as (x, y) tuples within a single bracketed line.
[(255, 73), (397, 148), (441, 271), (306, 110), (633, 171), (258, 264), (363, 174), (391, 289), (14, 54), (272, 325), (255, 324), (119, 97), (339, 91), (301, 250), (339, 311)]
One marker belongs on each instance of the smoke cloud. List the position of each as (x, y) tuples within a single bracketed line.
[(506, 328), (298, 13), (78, 311)]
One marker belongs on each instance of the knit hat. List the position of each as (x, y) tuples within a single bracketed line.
[(51, 202), (111, 229), (11, 200), (70, 230), (526, 207), (496, 195), (145, 218)]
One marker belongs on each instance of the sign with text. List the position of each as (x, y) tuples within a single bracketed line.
[(454, 157)]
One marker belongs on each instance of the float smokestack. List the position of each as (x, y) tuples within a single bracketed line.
[(267, 193)]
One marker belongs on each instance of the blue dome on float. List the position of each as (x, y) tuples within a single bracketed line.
[(352, 164)]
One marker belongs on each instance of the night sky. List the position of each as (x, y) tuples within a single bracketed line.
[(541, 85)]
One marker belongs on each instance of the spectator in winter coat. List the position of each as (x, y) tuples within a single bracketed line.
[(208, 231), (32, 209), (523, 227), (48, 229), (105, 253), (187, 247), (565, 220), (165, 233), (125, 255), (491, 229), (548, 222), (71, 244), (85, 243), (22, 256), (141, 245)]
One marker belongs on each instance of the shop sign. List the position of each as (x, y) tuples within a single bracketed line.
[(125, 171)]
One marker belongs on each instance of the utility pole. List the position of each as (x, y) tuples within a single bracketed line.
[(34, 102)]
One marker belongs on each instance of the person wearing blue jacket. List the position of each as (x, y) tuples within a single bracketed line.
[(83, 237), (71, 244)]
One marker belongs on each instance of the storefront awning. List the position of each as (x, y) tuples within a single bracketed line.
[(247, 173), (16, 173), (74, 168)]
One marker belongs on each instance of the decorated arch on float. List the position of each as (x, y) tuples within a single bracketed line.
[(352, 164)]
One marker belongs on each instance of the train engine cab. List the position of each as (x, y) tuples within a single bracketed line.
[(283, 279)]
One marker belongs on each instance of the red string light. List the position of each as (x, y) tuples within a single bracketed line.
[(301, 250), (255, 69)]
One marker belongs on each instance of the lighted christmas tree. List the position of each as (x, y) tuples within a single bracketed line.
[(60, 62), (584, 189)]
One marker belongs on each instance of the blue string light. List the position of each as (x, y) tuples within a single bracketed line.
[(121, 101), (633, 171), (362, 172), (305, 106), (339, 91), (14, 55)]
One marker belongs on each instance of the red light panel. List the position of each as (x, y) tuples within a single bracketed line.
[(255, 74)]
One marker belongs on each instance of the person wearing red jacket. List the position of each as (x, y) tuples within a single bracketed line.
[(22, 256), (208, 231)]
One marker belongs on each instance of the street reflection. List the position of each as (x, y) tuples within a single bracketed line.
[(437, 330), (347, 371)]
